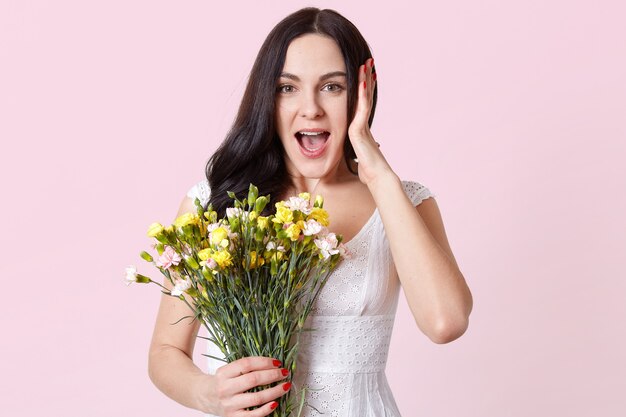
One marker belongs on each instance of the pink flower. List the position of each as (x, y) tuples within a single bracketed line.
[(168, 258), (180, 286), (344, 252), (327, 245), (312, 227)]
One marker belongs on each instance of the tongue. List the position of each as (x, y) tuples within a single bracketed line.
[(313, 141)]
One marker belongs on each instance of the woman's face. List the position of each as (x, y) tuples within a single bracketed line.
[(311, 107)]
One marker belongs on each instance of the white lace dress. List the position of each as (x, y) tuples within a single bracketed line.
[(342, 363)]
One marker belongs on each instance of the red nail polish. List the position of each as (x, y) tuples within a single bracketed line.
[(286, 386), (274, 405), (285, 372), (374, 76), (364, 84), (276, 362)]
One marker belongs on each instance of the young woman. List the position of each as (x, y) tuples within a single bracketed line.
[(304, 125)]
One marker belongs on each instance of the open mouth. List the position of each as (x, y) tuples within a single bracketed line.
[(312, 143)]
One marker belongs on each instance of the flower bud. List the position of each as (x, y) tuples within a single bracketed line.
[(253, 192), (162, 238), (199, 207), (188, 230), (190, 260), (145, 255), (155, 229), (142, 279), (319, 201), (260, 204), (206, 273)]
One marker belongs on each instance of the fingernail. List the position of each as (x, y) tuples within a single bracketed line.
[(285, 372), (374, 76), (364, 84), (276, 362), (286, 386), (274, 405), (372, 63)]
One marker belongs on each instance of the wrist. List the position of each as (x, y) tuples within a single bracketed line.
[(202, 389), (383, 182)]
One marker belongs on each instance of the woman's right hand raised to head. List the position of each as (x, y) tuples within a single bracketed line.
[(224, 393)]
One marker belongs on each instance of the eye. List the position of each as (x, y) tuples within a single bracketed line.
[(332, 87), (285, 88)]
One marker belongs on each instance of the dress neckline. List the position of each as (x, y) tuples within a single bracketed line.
[(361, 231)]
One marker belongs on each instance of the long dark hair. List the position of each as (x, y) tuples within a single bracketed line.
[(252, 151)]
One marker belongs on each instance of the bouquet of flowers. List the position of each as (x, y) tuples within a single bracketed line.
[(250, 279)]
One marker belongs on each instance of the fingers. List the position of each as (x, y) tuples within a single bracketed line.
[(266, 396), (253, 379), (367, 80), (248, 364), (262, 411), (244, 374)]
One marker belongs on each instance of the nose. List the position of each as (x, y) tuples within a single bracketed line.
[(310, 107)]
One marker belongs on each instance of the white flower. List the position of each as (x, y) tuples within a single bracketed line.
[(272, 246), (298, 203), (180, 286), (131, 274), (233, 212), (312, 227)]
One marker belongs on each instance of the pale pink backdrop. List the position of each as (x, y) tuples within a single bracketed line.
[(512, 112)]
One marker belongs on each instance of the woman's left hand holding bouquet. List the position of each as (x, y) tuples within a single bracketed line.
[(172, 370)]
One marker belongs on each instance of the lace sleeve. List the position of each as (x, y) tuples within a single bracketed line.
[(416, 192), (200, 190)]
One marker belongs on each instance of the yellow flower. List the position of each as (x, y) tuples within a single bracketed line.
[(255, 261), (305, 196), (218, 235), (155, 229), (320, 215), (319, 201), (262, 222), (204, 254), (293, 231), (283, 215), (223, 259), (253, 215), (185, 219)]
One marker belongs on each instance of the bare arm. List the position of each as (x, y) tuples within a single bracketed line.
[(172, 370), (435, 288), (436, 291)]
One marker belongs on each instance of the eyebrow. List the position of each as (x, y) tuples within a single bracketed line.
[(322, 78)]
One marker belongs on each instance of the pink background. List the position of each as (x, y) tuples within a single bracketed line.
[(512, 113)]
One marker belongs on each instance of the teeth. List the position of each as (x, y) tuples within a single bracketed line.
[(311, 133)]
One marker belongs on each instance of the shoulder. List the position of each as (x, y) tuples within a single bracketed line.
[(416, 191), (201, 191)]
